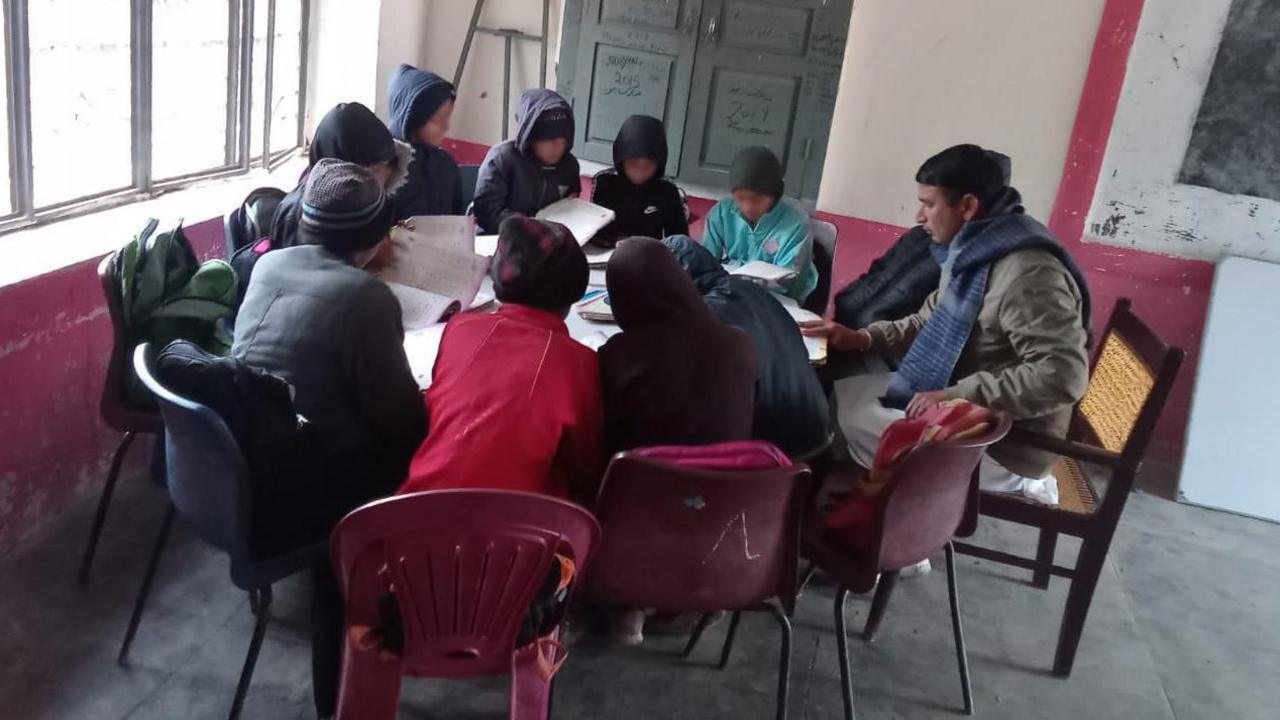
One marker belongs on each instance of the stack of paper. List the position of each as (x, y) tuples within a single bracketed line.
[(433, 269), (582, 218), (597, 309)]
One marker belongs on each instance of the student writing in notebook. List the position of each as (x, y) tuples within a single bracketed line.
[(316, 318), (535, 168), (646, 203), (421, 105), (758, 223), (515, 401)]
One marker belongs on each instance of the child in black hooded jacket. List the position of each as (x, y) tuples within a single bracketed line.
[(646, 203)]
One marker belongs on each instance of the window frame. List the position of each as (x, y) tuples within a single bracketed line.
[(239, 157)]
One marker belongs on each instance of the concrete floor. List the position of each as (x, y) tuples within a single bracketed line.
[(1185, 624)]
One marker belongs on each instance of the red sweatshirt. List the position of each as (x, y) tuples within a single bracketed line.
[(514, 404)]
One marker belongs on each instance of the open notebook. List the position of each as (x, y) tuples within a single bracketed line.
[(767, 273), (433, 269), (582, 218), (817, 347)]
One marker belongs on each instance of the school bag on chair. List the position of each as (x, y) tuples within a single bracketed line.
[(167, 294)]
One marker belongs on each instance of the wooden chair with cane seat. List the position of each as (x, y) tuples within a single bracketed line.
[(1129, 382)]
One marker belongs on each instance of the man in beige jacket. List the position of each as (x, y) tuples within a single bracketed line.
[(1007, 328)]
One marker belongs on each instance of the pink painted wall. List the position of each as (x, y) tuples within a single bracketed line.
[(55, 337)]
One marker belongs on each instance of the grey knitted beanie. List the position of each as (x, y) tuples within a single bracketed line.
[(344, 208)]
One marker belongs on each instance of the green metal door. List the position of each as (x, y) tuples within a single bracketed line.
[(634, 57), (766, 74)]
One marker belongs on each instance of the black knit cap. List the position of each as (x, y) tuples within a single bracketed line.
[(344, 208), (552, 123), (756, 168), (539, 264)]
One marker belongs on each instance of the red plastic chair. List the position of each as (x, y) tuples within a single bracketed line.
[(922, 510), (118, 412), (465, 566), (681, 538)]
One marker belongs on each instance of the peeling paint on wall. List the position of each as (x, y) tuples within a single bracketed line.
[(1139, 202)]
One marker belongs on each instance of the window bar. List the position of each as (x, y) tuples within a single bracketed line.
[(270, 69), (140, 51), (18, 85), (304, 53), (245, 104), (232, 142)]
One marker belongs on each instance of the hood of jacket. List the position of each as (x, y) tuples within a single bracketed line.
[(534, 102), (641, 136), (648, 287), (352, 133), (414, 96)]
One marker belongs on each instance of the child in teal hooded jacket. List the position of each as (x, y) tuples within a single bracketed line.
[(757, 223)]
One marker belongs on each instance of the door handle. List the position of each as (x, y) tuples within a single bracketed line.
[(711, 29)]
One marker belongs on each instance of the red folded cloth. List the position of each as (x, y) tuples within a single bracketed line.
[(852, 520)]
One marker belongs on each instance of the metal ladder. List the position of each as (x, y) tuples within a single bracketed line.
[(509, 36)]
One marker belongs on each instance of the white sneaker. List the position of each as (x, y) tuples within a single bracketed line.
[(921, 568)]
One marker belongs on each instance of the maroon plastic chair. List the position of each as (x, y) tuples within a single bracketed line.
[(464, 566), (118, 412), (922, 510), (681, 539)]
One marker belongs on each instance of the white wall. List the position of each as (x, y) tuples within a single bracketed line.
[(343, 56), (478, 114), (400, 31), (1138, 201), (922, 75)]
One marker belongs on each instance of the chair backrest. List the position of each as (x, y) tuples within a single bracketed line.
[(825, 235), (682, 538), (465, 566), (1132, 373), (469, 174), (925, 503), (117, 410), (206, 473)]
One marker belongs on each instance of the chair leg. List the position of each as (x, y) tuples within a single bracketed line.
[(962, 656), (255, 645), (1093, 555), (255, 602), (104, 501), (728, 640), (842, 652), (703, 623), (806, 578), (1044, 558), (784, 661), (144, 591), (888, 581)]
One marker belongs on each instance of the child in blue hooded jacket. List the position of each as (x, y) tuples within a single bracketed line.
[(421, 105), (758, 223)]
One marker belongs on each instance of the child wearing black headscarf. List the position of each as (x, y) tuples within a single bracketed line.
[(421, 105), (675, 375), (646, 203), (352, 133)]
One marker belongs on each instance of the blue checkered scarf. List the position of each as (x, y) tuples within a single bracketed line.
[(932, 358)]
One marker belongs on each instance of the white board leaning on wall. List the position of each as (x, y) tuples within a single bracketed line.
[(1232, 460)]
